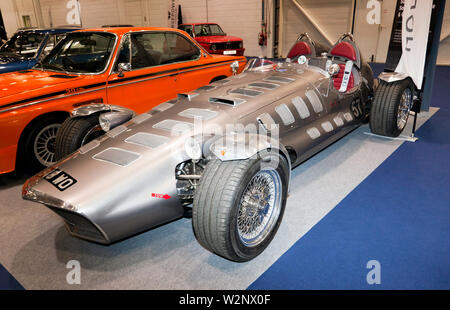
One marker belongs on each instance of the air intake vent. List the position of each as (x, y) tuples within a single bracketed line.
[(207, 88), (203, 114), (163, 106), (147, 140), (285, 114), (264, 85), (230, 101), (188, 96), (222, 82), (174, 126), (80, 226), (246, 92), (279, 79), (315, 101), (117, 156)]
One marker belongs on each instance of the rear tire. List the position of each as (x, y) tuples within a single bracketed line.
[(229, 216), (76, 132), (390, 108)]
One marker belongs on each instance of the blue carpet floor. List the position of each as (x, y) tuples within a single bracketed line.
[(399, 216), (7, 281)]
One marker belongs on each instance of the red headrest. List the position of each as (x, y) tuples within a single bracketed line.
[(300, 48), (344, 49)]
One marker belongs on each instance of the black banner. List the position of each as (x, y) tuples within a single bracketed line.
[(395, 43)]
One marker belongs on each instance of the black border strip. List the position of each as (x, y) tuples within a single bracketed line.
[(90, 86)]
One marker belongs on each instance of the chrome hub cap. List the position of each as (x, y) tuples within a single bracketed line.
[(44, 144), (259, 207), (403, 108)]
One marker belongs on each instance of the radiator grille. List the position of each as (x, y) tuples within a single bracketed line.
[(79, 225)]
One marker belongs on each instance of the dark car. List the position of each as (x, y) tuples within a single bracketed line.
[(27, 46)]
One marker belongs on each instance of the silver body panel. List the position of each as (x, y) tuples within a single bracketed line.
[(124, 196)]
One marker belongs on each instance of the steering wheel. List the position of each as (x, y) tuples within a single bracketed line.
[(68, 63)]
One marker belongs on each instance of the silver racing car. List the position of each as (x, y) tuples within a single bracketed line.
[(222, 153)]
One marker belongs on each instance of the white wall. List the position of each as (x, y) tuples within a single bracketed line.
[(237, 17), (9, 17), (444, 47)]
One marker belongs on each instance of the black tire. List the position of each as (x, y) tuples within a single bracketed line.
[(31, 156), (74, 133), (385, 107), (217, 201)]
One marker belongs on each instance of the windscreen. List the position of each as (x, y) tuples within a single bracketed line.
[(81, 52), (208, 30)]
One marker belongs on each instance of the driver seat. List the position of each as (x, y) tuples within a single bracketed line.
[(300, 48), (344, 52)]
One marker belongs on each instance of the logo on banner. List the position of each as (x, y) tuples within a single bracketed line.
[(73, 16), (374, 15)]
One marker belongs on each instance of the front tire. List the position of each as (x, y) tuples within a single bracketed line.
[(390, 108), (76, 132), (239, 205), (39, 145)]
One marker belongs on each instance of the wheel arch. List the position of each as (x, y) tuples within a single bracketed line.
[(391, 77), (225, 149), (218, 78)]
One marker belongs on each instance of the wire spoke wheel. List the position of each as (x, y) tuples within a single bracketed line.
[(44, 144), (404, 108), (259, 207), (239, 205)]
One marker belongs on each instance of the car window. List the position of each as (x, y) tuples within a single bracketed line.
[(147, 49), (81, 52), (153, 49), (23, 44), (124, 53), (52, 40), (181, 49), (188, 29), (208, 30)]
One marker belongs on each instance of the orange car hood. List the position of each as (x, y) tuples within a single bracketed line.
[(16, 86)]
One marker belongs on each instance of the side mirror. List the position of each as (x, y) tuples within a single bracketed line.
[(234, 67), (123, 67), (333, 69)]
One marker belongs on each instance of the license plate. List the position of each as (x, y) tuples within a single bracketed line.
[(229, 52)]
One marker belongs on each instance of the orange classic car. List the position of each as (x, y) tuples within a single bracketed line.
[(107, 69)]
